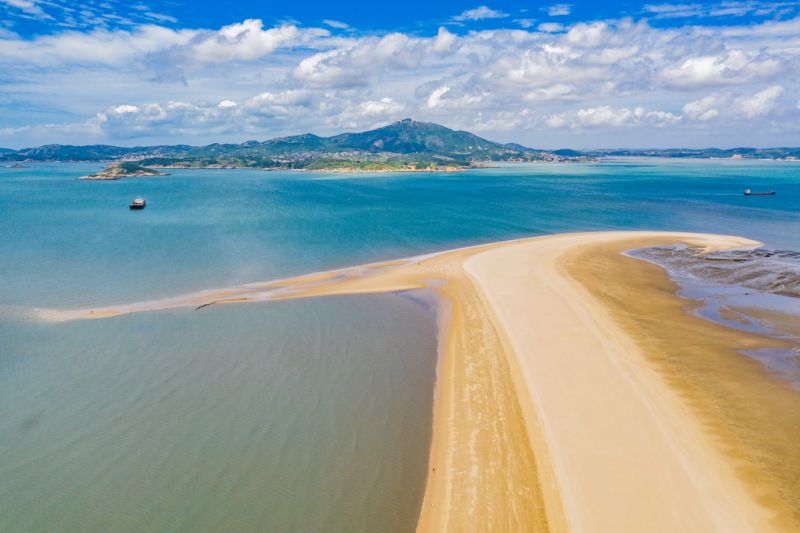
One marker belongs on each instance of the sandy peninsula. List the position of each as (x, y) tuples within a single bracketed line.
[(575, 393)]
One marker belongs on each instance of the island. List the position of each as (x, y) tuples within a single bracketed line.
[(123, 169), (403, 146)]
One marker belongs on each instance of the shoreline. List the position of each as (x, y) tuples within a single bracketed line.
[(518, 428), (750, 411)]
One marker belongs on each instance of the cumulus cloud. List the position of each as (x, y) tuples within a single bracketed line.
[(243, 41), (706, 108), (380, 108), (730, 67), (367, 114), (127, 121), (248, 79), (608, 116), (480, 13), (551, 27), (759, 103), (371, 57), (149, 44), (595, 35)]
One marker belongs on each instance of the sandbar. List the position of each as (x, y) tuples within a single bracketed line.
[(564, 397)]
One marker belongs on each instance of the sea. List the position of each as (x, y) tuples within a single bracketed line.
[(307, 415)]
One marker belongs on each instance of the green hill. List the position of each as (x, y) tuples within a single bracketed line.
[(407, 142)]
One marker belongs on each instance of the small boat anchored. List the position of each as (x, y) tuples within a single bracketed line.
[(748, 192), (138, 203)]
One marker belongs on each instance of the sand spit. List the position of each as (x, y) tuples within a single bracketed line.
[(552, 409)]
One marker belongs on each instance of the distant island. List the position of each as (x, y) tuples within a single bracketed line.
[(406, 145), (403, 146), (121, 170)]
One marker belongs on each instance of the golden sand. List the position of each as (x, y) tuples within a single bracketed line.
[(754, 418), (573, 392)]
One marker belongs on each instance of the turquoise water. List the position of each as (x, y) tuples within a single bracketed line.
[(293, 416)]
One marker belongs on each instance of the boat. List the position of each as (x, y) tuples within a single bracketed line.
[(748, 192), (138, 203)]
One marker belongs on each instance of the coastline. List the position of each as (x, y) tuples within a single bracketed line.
[(519, 428), (752, 413)]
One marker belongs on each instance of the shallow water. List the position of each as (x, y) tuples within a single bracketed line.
[(292, 416), (752, 290), (304, 415)]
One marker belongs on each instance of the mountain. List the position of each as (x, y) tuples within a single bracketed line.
[(408, 136), (403, 142), (406, 143), (404, 138)]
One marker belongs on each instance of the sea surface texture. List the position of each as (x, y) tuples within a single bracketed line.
[(308, 415)]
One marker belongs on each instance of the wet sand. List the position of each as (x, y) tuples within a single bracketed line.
[(559, 401), (752, 416)]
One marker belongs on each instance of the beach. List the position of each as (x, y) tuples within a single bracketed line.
[(556, 408)]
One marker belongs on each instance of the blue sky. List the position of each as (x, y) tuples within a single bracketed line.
[(24, 16), (552, 74)]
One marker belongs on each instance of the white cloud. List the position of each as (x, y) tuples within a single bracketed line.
[(336, 24), (674, 10), (591, 35), (244, 41), (730, 67), (608, 116), (87, 15), (705, 108), (551, 27), (380, 108), (246, 80), (759, 103), (558, 10), (125, 108), (480, 13), (435, 97), (27, 6), (99, 47), (149, 44), (251, 116), (371, 57), (725, 8), (76, 131), (444, 42)]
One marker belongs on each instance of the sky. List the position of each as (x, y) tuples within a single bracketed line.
[(580, 74)]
